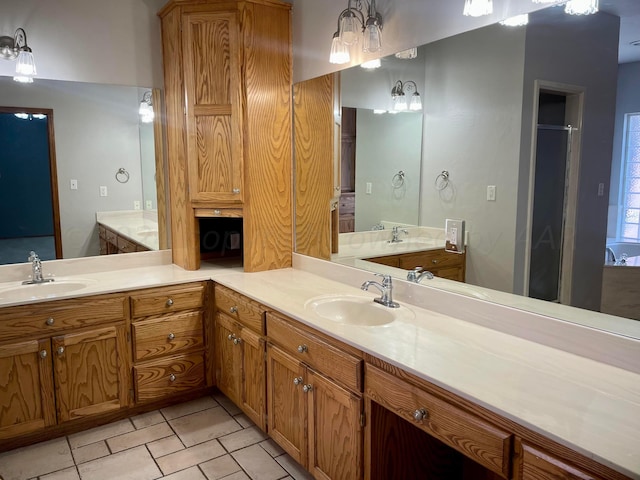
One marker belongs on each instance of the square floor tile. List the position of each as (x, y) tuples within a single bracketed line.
[(139, 437), (133, 464), (272, 448), (186, 408), (227, 404), (100, 433), (293, 468), (90, 452), (242, 438), (192, 473), (165, 446), (35, 460), (243, 420), (220, 467), (258, 463), (147, 419), (203, 426), (70, 473), (190, 457)]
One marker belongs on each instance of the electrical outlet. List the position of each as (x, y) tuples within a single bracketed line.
[(454, 235), (491, 193), (73, 184), (600, 189), (148, 204), (136, 204), (368, 188), (103, 191)]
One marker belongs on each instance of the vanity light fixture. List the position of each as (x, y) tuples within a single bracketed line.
[(581, 7), (146, 108), (477, 8), (408, 54), (400, 99), (516, 21), (30, 116), (12, 48), (352, 23), (371, 64)]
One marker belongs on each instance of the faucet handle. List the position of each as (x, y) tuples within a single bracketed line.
[(386, 279), (33, 256)]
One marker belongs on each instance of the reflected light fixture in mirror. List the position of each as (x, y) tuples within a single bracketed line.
[(400, 99), (350, 20), (477, 8), (581, 7), (146, 108), (516, 21), (16, 47), (371, 64)]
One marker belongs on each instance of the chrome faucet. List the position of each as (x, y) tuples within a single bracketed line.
[(395, 232), (610, 254), (36, 270), (386, 289), (417, 274)]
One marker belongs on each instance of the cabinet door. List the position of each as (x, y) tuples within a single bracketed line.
[(213, 96), (91, 371), (228, 355), (26, 384), (335, 434), (253, 377), (286, 403)]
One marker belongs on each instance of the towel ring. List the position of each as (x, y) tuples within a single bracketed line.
[(122, 175), (398, 179), (442, 180)]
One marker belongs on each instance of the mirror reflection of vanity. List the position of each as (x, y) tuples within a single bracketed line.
[(97, 133), (479, 127)]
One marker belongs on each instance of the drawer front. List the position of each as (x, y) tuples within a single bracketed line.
[(111, 236), (168, 376), (217, 212), (53, 317), (160, 301), (125, 245), (429, 259), (473, 437), (240, 308), (173, 334), (315, 352)]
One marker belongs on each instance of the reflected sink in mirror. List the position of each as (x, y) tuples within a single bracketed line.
[(19, 293), (356, 310)]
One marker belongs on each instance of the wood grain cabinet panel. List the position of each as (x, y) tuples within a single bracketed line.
[(442, 264), (168, 335), (169, 376), (534, 464), (165, 300)]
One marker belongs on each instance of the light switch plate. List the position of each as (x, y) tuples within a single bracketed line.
[(454, 235)]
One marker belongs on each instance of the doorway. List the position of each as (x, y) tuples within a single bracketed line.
[(28, 186), (553, 192)]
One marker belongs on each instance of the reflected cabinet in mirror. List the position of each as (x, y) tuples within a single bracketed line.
[(525, 133), (75, 154)]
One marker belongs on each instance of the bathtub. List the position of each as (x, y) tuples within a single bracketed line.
[(621, 284), (631, 249)]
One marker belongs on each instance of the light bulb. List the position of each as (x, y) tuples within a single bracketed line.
[(372, 38), (349, 29)]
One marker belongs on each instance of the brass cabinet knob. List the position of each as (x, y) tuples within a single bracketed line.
[(43, 354), (307, 388), (169, 302), (60, 350), (297, 380), (172, 377), (303, 348), (419, 414), (171, 336), (50, 321), (233, 309)]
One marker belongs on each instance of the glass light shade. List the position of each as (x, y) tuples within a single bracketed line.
[(146, 112), (339, 51), (371, 64), (517, 21), (581, 7), (407, 54), (416, 102), (400, 103), (25, 67), (477, 8), (349, 29), (372, 39)]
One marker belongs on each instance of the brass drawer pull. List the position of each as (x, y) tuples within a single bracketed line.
[(420, 415), (169, 302), (171, 336), (302, 348), (172, 377), (50, 321), (233, 309)]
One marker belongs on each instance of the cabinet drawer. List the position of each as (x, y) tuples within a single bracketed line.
[(126, 245), (159, 301), (430, 258), (315, 352), (177, 374), (178, 333), (240, 308), (473, 437), (110, 236), (52, 317)]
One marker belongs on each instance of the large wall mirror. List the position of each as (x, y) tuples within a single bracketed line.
[(497, 102), (97, 132)]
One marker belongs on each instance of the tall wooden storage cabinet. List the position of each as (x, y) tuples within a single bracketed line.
[(227, 72)]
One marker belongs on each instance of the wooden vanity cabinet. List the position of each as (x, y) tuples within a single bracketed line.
[(441, 263), (240, 353), (227, 74), (169, 327), (314, 400), (532, 463), (62, 360)]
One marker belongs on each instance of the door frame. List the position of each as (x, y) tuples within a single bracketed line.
[(53, 171), (574, 117)]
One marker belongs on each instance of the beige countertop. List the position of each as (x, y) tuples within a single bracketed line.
[(139, 226), (588, 405)]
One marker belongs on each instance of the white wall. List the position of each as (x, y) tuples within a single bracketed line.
[(628, 101), (96, 132), (386, 144), (115, 41)]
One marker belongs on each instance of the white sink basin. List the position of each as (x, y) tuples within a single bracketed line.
[(19, 292), (355, 310)]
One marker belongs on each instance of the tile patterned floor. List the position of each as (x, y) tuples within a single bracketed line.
[(204, 439)]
